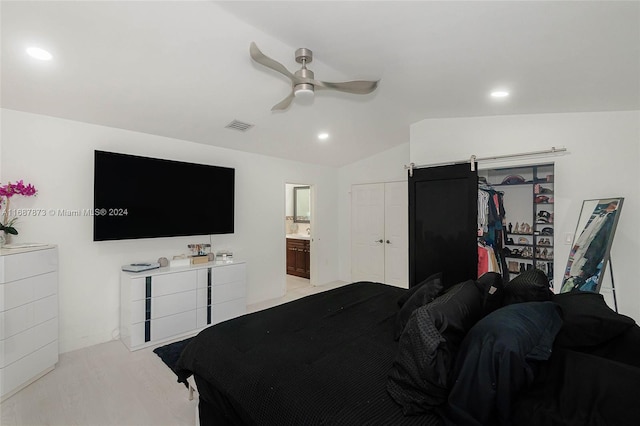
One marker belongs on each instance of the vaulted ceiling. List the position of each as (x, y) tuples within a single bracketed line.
[(181, 69)]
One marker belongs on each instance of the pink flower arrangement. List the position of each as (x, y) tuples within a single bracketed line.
[(7, 191), (18, 188)]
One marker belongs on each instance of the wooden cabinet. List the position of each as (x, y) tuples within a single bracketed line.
[(28, 316), (166, 303), (298, 258)]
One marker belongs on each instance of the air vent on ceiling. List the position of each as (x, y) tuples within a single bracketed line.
[(239, 125)]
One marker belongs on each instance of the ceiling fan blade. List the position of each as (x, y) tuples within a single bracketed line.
[(284, 104), (358, 87), (263, 59)]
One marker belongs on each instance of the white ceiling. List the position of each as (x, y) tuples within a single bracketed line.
[(181, 69)]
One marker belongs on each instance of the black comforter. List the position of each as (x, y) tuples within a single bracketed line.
[(302, 363), (326, 360)]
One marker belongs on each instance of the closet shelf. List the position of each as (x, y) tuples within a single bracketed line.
[(512, 184), (511, 256)]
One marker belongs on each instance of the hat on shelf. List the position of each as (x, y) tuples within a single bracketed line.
[(512, 179), (544, 216)]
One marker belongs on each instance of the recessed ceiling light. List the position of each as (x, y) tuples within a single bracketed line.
[(499, 94), (38, 53), (323, 136)]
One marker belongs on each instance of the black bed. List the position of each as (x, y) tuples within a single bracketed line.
[(302, 363), (330, 358)]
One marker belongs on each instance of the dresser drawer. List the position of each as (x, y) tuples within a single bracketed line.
[(22, 344), (173, 283), (227, 310), (19, 266), (23, 317), (225, 292), (162, 328), (26, 290), (163, 284), (22, 371), (227, 274)]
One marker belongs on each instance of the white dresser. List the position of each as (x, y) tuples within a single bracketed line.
[(168, 303), (28, 316)]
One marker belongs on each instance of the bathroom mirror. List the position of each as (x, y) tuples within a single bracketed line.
[(591, 245), (302, 204)]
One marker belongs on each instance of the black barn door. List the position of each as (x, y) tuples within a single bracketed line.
[(443, 222)]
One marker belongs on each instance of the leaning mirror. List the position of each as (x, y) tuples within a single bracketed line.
[(302, 204), (591, 245)]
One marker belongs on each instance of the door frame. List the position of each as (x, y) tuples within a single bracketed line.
[(312, 225)]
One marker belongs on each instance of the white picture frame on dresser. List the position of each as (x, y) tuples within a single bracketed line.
[(28, 316), (168, 303)]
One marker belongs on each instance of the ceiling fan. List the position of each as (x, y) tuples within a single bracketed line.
[(303, 83)]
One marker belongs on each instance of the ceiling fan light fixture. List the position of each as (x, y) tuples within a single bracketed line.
[(303, 90), (303, 93)]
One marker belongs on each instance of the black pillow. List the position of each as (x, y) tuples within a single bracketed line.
[(456, 311), (425, 293), (492, 287), (529, 286), (434, 280), (419, 378), (499, 358), (587, 320)]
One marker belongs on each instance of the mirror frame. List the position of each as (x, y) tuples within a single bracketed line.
[(595, 230), (296, 218)]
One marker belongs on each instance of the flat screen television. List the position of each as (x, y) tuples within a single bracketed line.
[(141, 197)]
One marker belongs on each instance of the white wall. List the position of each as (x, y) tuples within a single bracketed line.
[(388, 166), (603, 160), (57, 157)]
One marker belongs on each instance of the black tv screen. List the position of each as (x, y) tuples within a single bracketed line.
[(141, 197)]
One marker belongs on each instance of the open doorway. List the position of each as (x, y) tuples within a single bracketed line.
[(298, 234)]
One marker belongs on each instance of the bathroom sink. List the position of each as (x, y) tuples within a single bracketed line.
[(299, 236)]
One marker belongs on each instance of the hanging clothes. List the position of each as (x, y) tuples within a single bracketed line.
[(491, 216), (487, 261)]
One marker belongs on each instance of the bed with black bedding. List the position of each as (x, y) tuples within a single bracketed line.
[(302, 363), (372, 354)]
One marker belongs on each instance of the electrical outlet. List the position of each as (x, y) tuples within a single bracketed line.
[(568, 238)]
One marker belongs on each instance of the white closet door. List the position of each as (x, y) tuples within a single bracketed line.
[(367, 233), (396, 233)]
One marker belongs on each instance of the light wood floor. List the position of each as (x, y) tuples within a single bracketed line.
[(108, 385)]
